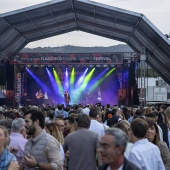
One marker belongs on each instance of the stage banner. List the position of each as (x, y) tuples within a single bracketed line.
[(18, 87), (77, 58)]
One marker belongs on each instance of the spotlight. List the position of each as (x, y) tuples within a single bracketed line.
[(53, 68)]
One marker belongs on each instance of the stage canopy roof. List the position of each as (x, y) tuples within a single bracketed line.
[(18, 28)]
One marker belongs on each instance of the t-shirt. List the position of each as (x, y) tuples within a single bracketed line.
[(82, 146)]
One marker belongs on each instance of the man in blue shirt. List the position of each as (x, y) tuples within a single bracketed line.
[(60, 112)]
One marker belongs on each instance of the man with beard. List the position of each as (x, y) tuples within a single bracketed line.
[(42, 151)]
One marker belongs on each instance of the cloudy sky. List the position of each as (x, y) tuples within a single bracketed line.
[(157, 11)]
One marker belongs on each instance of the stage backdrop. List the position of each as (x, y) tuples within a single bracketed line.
[(96, 86)]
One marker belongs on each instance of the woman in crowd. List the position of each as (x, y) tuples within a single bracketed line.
[(126, 112), (153, 136), (147, 110), (53, 130), (125, 126), (168, 114), (108, 115), (114, 119), (168, 119), (161, 122), (8, 160)]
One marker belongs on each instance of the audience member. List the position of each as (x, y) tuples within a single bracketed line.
[(143, 153), (69, 127), (42, 151), (153, 136), (82, 145), (17, 137), (5, 156), (112, 147), (95, 126)]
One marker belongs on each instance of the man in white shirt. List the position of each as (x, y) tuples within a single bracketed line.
[(95, 126), (144, 154), (86, 110)]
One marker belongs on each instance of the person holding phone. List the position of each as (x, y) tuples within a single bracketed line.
[(42, 151)]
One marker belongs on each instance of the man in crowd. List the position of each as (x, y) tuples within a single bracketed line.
[(42, 151), (112, 147), (95, 126), (82, 145), (17, 137), (143, 153), (59, 112), (69, 123)]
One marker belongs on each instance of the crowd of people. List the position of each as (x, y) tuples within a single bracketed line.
[(87, 137)]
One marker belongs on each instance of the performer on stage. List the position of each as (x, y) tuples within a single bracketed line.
[(67, 98), (39, 96)]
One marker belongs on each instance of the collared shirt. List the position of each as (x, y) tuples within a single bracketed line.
[(146, 156), (121, 168), (5, 159), (96, 127), (18, 140)]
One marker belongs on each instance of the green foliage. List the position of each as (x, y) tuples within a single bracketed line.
[(152, 73), (148, 73)]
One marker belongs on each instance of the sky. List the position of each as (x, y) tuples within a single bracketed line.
[(157, 11)]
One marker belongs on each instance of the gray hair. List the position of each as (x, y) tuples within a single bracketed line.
[(120, 137), (17, 125)]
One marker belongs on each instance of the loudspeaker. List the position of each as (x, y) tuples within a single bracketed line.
[(10, 77), (2, 76), (10, 98), (121, 97)]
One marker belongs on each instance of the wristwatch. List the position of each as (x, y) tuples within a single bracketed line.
[(37, 165)]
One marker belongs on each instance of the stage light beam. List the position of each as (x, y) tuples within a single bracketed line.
[(57, 79)]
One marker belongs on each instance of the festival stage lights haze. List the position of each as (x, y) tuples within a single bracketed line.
[(72, 78), (66, 80), (72, 88), (97, 84), (93, 81), (52, 81), (85, 83), (60, 87), (39, 82), (81, 78)]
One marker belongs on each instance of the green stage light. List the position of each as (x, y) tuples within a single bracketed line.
[(95, 85), (85, 83), (61, 91)]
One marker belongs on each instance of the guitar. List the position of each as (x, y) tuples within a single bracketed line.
[(39, 95)]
